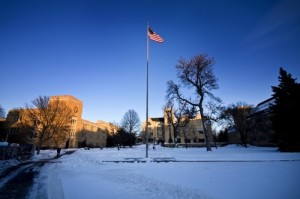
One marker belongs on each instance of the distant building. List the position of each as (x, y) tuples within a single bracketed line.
[(83, 133), (12, 121), (161, 131), (3, 130), (233, 136), (90, 134), (259, 125), (156, 129)]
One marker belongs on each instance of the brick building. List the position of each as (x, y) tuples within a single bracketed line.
[(82, 132)]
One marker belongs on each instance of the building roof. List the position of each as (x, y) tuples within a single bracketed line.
[(157, 119), (262, 106), (231, 129), (66, 97)]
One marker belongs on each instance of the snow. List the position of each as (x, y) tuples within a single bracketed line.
[(226, 172)]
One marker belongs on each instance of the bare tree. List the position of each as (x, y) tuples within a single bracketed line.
[(178, 115), (196, 73), (131, 122), (48, 121), (236, 115)]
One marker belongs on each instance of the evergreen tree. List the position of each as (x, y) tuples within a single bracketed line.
[(285, 112), (223, 136)]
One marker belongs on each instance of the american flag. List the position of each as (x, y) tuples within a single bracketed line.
[(155, 37)]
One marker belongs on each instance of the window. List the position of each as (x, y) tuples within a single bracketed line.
[(188, 140)]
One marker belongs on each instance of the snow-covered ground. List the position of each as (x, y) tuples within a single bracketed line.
[(227, 172)]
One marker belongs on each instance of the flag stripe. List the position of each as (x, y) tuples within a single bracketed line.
[(154, 36)]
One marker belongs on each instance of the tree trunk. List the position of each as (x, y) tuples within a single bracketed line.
[(243, 139), (38, 149), (207, 142), (58, 152)]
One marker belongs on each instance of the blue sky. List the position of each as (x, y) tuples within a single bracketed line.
[(96, 50)]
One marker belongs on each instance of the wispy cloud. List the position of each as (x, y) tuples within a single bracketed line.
[(280, 25)]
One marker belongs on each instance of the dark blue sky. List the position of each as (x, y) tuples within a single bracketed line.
[(96, 50)]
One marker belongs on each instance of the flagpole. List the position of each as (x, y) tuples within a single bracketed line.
[(147, 134)]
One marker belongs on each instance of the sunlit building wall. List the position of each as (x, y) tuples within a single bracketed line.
[(160, 130), (83, 133)]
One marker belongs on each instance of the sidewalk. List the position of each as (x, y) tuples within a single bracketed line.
[(168, 159)]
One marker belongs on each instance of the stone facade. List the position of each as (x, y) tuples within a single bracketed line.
[(83, 133), (76, 106), (160, 130), (90, 134)]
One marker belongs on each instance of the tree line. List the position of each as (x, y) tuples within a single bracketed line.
[(124, 134), (196, 75)]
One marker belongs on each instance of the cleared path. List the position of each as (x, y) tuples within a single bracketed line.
[(17, 181)]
